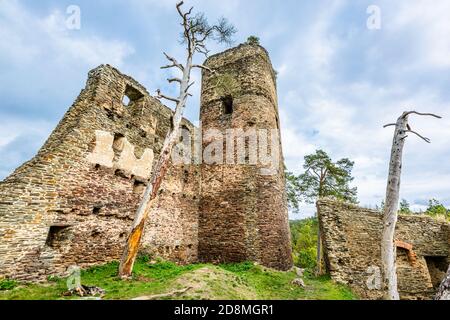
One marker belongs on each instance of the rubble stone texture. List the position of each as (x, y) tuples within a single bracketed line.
[(74, 202), (243, 212), (352, 237)]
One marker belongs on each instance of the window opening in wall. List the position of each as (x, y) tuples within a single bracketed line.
[(119, 140), (97, 210), (131, 95), (227, 105), (56, 235), (185, 129), (139, 187), (126, 101), (121, 174), (171, 124)]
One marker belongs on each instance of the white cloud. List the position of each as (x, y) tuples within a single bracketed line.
[(338, 82), (27, 37), (347, 113), (430, 23)]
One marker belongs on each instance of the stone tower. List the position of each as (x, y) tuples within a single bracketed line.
[(243, 209)]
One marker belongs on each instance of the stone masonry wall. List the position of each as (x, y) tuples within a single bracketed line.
[(352, 251), (74, 202), (243, 210)]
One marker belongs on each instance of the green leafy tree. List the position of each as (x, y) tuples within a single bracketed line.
[(436, 209), (405, 208), (292, 188), (253, 40), (324, 178), (304, 240)]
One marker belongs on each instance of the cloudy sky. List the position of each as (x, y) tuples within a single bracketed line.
[(339, 81)]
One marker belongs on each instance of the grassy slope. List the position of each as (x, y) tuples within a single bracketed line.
[(227, 282)]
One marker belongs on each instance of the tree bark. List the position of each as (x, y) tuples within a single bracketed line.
[(390, 216), (151, 192), (444, 289)]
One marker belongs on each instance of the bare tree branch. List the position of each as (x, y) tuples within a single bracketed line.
[(161, 96), (175, 63), (190, 85), (390, 125), (404, 138), (427, 140), (174, 80), (186, 25), (421, 114), (200, 66)]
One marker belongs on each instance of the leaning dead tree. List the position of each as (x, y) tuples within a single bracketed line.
[(196, 32), (444, 289), (390, 214)]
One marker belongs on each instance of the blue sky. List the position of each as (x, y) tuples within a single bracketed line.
[(338, 82)]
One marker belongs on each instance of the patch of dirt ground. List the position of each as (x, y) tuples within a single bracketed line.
[(212, 283)]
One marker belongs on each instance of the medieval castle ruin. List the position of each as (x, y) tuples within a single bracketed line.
[(74, 202)]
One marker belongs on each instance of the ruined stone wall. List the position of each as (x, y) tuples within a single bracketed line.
[(74, 202), (243, 209), (352, 250)]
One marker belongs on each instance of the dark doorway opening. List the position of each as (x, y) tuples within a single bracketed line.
[(437, 267)]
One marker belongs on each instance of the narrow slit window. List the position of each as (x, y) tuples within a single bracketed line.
[(227, 105), (171, 124)]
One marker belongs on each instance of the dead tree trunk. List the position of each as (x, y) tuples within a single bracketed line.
[(196, 32), (444, 289), (151, 192), (390, 215)]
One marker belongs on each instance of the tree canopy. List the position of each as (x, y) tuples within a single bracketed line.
[(322, 178)]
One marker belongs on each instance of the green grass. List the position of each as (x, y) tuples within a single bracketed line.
[(274, 285), (230, 282)]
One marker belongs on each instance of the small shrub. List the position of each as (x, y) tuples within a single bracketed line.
[(7, 285), (253, 40)]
